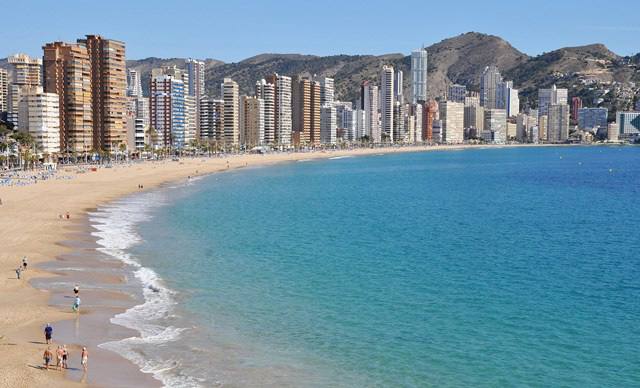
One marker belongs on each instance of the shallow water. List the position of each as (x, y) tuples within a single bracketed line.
[(474, 268)]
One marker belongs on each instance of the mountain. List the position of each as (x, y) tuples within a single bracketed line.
[(585, 70)]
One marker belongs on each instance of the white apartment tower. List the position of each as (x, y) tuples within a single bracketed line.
[(550, 96), (369, 97), (195, 71), (387, 102), (328, 124), (4, 89), (27, 75), (327, 90), (39, 115), (134, 83), (419, 75), (266, 92), (452, 116)]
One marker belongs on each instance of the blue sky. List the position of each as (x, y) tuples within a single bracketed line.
[(233, 30)]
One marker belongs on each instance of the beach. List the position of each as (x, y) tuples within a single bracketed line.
[(33, 219)]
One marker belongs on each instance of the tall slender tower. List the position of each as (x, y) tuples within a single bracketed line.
[(195, 70), (301, 115), (489, 82), (282, 89), (419, 72), (230, 111), (167, 109), (4, 89), (369, 99), (266, 92), (387, 102), (108, 91), (67, 73)]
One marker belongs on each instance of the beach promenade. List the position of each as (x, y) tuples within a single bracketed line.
[(32, 226)]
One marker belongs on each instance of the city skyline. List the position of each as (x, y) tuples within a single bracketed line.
[(324, 32)]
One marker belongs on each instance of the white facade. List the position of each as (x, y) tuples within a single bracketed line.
[(345, 120), (4, 89), (327, 90), (266, 92), (190, 119), (40, 117), (370, 107), (134, 83), (495, 124), (328, 124), (419, 73), (230, 112), (628, 124)]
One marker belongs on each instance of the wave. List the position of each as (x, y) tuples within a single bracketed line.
[(340, 157), (115, 226)]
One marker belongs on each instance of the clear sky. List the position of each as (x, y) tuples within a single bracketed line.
[(233, 30)]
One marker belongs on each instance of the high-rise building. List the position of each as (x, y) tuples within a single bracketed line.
[(230, 112), (328, 124), (282, 89), (26, 76), (195, 72), (266, 92), (39, 115), (345, 120), (558, 124), (495, 125), (327, 90), (542, 126), (359, 123), (386, 102), (398, 91), (507, 98), (417, 110), (590, 118), (369, 99), (135, 133), (67, 73), (301, 111), (452, 116), (430, 114), (419, 72), (167, 110), (524, 126), (108, 91), (211, 119), (134, 83), (576, 104), (251, 121), (489, 83), (191, 120), (628, 125), (399, 121), (457, 93), (550, 96), (474, 120), (4, 89)]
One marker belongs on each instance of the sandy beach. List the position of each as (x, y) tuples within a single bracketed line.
[(31, 226)]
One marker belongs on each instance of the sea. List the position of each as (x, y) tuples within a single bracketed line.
[(478, 267)]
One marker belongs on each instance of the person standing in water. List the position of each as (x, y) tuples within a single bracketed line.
[(85, 358), (76, 305)]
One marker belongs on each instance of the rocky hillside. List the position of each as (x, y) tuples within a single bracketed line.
[(586, 70)]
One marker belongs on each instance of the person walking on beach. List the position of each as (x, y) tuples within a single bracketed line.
[(65, 357), (85, 358), (18, 271), (47, 356), (76, 290), (76, 305), (48, 332), (24, 263), (59, 353)]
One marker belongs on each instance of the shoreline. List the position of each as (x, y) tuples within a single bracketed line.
[(24, 307)]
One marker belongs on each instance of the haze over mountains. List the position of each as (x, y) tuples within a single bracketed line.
[(459, 59)]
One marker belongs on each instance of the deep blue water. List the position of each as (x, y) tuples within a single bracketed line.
[(496, 267)]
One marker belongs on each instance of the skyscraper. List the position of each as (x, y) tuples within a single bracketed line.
[(457, 93), (369, 99), (230, 112), (134, 83), (558, 124), (301, 111), (397, 87), (195, 71), (495, 125), (429, 116), (108, 91), (489, 82), (387, 102), (251, 121), (452, 116), (282, 103), (167, 110), (327, 90), (67, 73), (419, 72), (328, 124), (266, 92), (4, 89), (550, 96), (211, 119), (26, 76), (39, 115)]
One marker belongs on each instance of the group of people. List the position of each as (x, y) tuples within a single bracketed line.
[(21, 268), (66, 216), (62, 354)]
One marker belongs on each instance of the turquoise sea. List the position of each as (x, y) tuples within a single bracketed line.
[(489, 267)]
